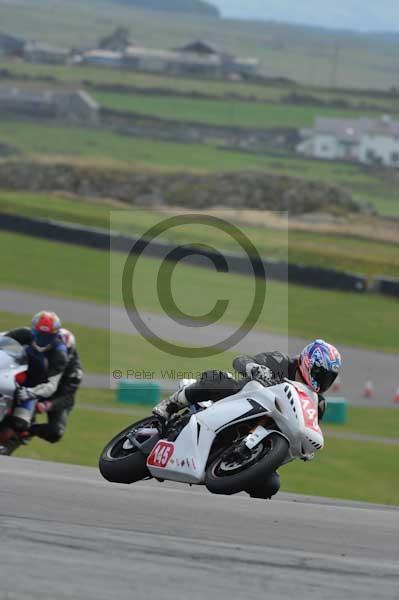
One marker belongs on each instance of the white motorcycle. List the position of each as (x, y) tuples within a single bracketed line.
[(14, 418), (233, 445)]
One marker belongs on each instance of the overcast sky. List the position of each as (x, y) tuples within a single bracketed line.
[(362, 15)]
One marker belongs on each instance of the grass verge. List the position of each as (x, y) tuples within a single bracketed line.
[(346, 469), (343, 252), (380, 422), (38, 265)]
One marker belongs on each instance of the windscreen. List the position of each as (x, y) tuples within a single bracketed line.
[(13, 350)]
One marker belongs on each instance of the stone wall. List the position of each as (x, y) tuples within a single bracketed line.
[(255, 189), (280, 139)]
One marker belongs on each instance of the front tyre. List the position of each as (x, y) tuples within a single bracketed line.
[(231, 472), (120, 461)]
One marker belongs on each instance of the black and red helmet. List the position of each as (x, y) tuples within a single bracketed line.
[(45, 329)]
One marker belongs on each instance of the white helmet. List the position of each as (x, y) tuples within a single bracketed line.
[(68, 338)]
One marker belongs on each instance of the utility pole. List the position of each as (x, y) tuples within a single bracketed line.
[(334, 64)]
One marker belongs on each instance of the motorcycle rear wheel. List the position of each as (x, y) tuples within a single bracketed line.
[(227, 475), (120, 462)]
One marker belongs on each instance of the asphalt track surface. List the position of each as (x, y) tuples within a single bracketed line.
[(359, 365), (67, 534)]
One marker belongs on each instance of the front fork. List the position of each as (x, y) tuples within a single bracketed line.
[(257, 434)]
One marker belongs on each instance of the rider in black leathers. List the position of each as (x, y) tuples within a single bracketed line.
[(53, 377), (63, 400), (317, 366)]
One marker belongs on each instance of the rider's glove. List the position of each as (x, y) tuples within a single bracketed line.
[(43, 407), (259, 373), (23, 394)]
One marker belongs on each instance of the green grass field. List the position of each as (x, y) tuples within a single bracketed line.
[(84, 74), (73, 142), (383, 422), (216, 112), (344, 469), (228, 90), (343, 252), (302, 54), (85, 275)]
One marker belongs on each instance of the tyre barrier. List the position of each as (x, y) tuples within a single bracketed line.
[(386, 286), (336, 411), (101, 239)]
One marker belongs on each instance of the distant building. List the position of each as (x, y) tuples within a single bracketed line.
[(365, 140), (75, 106), (228, 64), (11, 45), (147, 59), (36, 52), (27, 102), (197, 58), (104, 58), (199, 47)]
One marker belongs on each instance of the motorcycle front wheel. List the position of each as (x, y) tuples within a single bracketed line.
[(121, 461), (232, 472)]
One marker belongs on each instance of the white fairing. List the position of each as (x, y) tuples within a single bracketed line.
[(292, 406), (9, 368)]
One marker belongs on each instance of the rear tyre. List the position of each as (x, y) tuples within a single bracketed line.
[(120, 462), (229, 474)]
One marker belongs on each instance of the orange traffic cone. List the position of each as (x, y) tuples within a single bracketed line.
[(368, 390), (336, 386), (396, 396)]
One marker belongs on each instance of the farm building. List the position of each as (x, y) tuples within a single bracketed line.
[(199, 47), (104, 58), (197, 58), (365, 140), (169, 61), (228, 64), (75, 106)]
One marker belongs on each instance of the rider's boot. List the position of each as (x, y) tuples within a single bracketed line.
[(265, 489), (168, 407), (9, 441)]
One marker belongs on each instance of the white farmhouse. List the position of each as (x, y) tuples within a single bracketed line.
[(365, 140)]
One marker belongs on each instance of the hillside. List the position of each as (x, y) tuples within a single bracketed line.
[(343, 14), (198, 7), (307, 55)]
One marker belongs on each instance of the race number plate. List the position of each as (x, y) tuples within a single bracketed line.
[(161, 454), (310, 413)]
